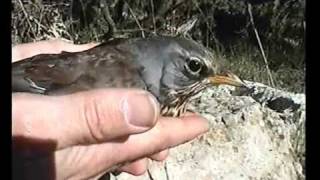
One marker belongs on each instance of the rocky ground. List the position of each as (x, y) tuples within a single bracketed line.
[(256, 134)]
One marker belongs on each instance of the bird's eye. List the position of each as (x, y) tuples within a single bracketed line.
[(194, 65)]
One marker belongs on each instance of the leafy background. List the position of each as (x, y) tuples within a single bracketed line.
[(222, 25)]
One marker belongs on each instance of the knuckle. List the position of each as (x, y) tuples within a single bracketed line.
[(93, 118), (139, 171)]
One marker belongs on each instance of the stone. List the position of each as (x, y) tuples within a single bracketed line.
[(258, 134)]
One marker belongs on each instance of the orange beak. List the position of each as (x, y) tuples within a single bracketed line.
[(227, 78)]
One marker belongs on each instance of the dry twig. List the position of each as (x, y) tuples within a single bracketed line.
[(27, 17), (137, 21), (260, 45)]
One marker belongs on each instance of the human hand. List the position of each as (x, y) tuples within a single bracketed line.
[(82, 135), (54, 46)]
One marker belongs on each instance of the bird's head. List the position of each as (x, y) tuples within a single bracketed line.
[(176, 69)]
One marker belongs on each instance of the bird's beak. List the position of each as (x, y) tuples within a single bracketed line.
[(227, 78)]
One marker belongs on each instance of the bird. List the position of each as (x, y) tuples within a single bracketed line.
[(173, 69)]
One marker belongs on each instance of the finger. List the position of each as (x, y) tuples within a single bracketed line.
[(68, 47), (84, 118), (169, 132), (160, 156), (136, 168), (56, 46)]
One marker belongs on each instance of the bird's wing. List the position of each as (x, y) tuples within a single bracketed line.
[(64, 73), (42, 72)]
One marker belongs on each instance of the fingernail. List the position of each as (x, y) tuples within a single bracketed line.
[(140, 109)]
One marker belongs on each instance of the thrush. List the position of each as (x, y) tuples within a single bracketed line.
[(173, 69)]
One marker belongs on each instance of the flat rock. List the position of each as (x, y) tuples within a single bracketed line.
[(254, 134)]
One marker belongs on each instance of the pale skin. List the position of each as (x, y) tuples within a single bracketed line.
[(95, 130)]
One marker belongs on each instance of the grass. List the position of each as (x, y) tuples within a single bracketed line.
[(285, 78), (247, 62)]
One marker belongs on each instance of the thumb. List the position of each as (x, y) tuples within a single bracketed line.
[(86, 117), (107, 114)]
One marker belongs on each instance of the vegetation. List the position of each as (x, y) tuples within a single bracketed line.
[(222, 25)]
